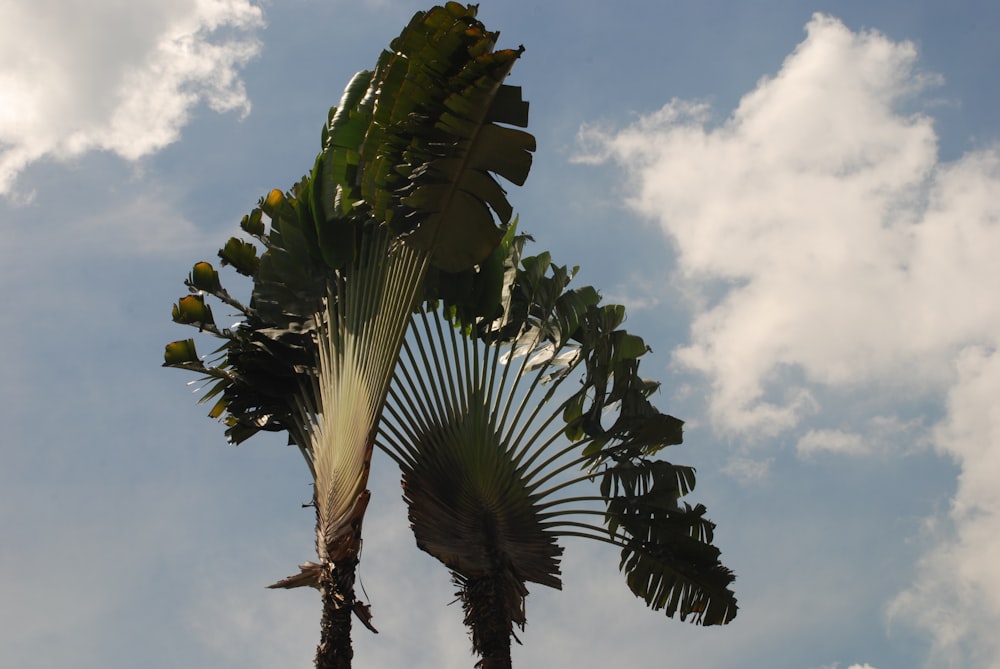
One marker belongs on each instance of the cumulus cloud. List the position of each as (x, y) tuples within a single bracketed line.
[(123, 77), (830, 251), (845, 249)]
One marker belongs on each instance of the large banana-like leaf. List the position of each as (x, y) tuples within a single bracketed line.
[(667, 552), (421, 145)]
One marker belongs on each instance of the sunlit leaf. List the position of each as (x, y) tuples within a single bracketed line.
[(192, 310), (179, 352), (253, 223), (204, 277), (241, 255)]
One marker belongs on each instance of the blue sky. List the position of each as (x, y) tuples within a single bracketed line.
[(799, 204)]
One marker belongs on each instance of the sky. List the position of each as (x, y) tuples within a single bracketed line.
[(799, 204)]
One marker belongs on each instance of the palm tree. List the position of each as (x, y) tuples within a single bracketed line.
[(400, 200), (502, 455), (320, 378)]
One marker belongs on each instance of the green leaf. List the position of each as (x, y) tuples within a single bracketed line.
[(192, 310), (204, 277), (574, 409), (253, 223), (431, 180), (241, 255), (274, 203), (671, 565), (628, 346), (180, 352), (571, 307), (343, 136), (508, 107)]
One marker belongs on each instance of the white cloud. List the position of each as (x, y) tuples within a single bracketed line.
[(879, 435), (747, 470), (834, 441), (956, 597), (117, 76), (636, 295), (831, 252), (845, 249)]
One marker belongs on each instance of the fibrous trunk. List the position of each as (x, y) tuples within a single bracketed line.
[(486, 616), (336, 586)]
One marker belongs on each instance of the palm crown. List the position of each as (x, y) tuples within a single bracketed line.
[(498, 426), (401, 192), (400, 212)]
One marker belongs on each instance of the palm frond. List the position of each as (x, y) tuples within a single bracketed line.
[(501, 454), (436, 138), (455, 426)]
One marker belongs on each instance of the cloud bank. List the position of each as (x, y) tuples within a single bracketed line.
[(828, 250), (66, 89)]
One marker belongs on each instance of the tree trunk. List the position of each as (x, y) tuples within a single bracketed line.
[(487, 617), (336, 587)]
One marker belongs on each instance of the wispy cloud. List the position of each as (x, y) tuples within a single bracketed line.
[(879, 435), (836, 253), (146, 223), (748, 470), (122, 77)]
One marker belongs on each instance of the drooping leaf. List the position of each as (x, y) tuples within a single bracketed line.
[(671, 564)]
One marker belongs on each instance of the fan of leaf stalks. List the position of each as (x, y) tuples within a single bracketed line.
[(515, 431)]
